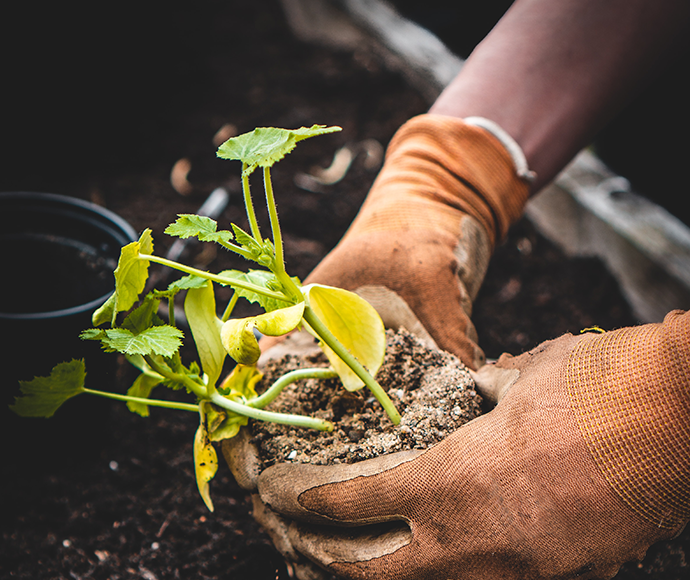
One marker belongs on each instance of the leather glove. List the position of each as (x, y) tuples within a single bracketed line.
[(420, 245), (583, 464)]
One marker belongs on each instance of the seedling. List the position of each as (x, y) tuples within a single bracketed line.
[(348, 329)]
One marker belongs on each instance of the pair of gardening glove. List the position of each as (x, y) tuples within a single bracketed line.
[(582, 465)]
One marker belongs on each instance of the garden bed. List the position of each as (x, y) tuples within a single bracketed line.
[(118, 499)]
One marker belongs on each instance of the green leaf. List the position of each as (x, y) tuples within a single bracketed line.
[(142, 387), (92, 334), (130, 279), (163, 340), (246, 241), (200, 310), (188, 282), (143, 316), (174, 288), (264, 146), (205, 464), (237, 334), (356, 325), (42, 396), (201, 227), (106, 312), (262, 278)]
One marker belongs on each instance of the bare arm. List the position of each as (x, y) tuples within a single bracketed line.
[(552, 72)]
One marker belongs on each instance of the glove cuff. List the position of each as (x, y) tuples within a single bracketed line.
[(630, 391), (473, 167)]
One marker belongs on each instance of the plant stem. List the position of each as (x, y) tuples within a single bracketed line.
[(249, 205), (151, 402), (273, 215), (214, 277), (196, 388), (276, 388), (171, 311), (329, 338), (260, 414), (230, 307)]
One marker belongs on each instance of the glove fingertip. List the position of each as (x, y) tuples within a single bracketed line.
[(242, 457)]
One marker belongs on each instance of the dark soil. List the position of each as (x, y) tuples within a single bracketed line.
[(101, 107)]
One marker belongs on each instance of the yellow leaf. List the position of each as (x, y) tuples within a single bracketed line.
[(205, 464), (281, 321), (200, 310), (237, 334), (241, 381), (356, 325)]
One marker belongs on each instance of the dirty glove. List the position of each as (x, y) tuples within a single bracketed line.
[(582, 465), (419, 247)]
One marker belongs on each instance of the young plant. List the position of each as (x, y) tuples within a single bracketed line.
[(348, 329)]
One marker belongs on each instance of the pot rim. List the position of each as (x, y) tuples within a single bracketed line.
[(102, 214)]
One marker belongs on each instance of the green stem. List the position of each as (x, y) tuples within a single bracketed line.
[(151, 402), (261, 415), (171, 311), (230, 307), (273, 215), (329, 338), (237, 249), (199, 390), (214, 277), (276, 388), (249, 205)]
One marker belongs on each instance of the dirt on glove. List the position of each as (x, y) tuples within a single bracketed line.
[(432, 389)]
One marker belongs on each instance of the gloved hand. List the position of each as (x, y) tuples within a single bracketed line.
[(583, 464), (419, 247)]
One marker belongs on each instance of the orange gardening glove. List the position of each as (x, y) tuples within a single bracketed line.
[(582, 465), (419, 247)]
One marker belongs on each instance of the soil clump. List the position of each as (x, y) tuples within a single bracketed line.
[(432, 389)]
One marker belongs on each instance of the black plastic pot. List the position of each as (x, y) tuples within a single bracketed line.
[(57, 256)]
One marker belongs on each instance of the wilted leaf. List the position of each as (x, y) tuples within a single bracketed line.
[(42, 396), (237, 334), (356, 325), (205, 464), (229, 428), (221, 423), (241, 381), (237, 337)]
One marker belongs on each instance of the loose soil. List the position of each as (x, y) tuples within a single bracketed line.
[(432, 390), (103, 111)]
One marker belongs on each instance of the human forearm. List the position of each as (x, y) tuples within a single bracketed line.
[(551, 73)]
